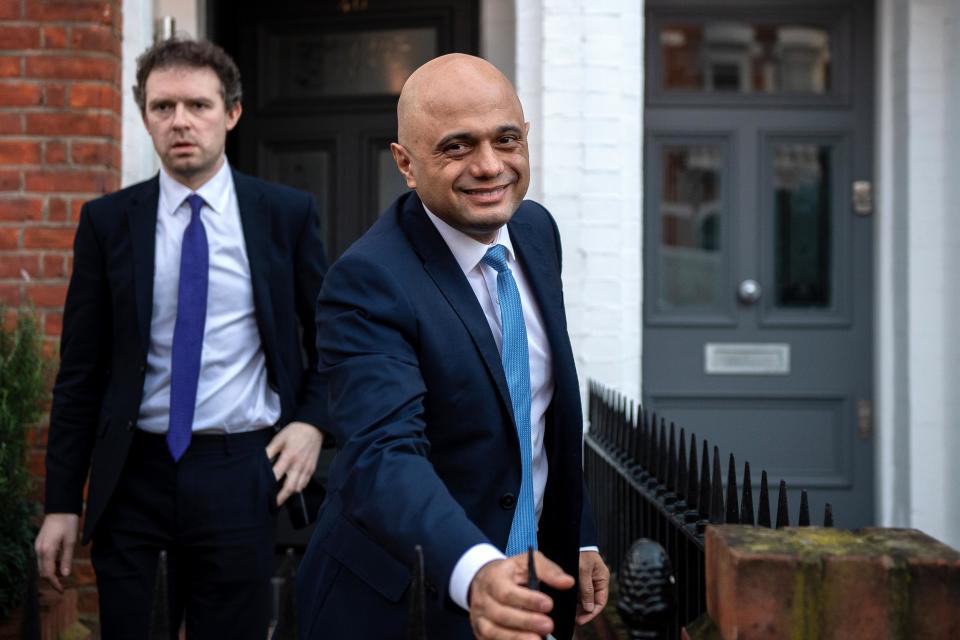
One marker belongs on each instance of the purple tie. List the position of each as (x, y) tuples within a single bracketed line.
[(188, 331)]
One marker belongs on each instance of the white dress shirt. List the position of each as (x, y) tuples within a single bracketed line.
[(483, 280), (232, 392)]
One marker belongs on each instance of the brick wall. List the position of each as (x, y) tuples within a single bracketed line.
[(59, 146)]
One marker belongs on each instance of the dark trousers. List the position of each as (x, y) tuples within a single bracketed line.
[(214, 514)]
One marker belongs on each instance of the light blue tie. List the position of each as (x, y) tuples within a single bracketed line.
[(516, 367)]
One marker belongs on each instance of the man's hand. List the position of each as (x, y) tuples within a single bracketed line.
[(594, 586), (502, 607), (56, 540), (294, 452)]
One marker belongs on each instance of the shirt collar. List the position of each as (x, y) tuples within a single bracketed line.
[(215, 191), (467, 251)]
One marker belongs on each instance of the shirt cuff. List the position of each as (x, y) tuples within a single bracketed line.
[(591, 548), (466, 569)]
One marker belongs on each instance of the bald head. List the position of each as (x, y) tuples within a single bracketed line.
[(462, 143), (448, 82)]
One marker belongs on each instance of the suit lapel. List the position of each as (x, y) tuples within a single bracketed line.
[(255, 220), (539, 265), (446, 273), (142, 222)]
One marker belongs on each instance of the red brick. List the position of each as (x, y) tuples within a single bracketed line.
[(101, 11), (9, 66), (54, 95), (11, 123), (19, 152), (73, 68), (10, 294), (54, 38), (37, 436), (55, 152), (94, 96), (20, 209), (68, 180), (9, 181), (71, 124), (97, 38), (48, 237), (53, 326), (94, 153), (13, 266), (88, 601), (57, 210), (9, 238), (9, 9), (54, 266), (20, 37), (75, 207), (46, 295), (20, 94)]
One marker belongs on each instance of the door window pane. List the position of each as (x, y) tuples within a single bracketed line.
[(690, 227), (740, 57), (350, 63), (802, 224)]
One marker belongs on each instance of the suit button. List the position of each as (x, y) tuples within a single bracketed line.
[(508, 501), (129, 424), (143, 368)]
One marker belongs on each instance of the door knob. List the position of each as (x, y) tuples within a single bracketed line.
[(749, 291)]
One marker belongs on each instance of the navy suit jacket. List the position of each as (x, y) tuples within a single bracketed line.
[(429, 452), (106, 328)]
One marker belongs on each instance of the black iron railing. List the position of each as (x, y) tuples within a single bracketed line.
[(646, 481)]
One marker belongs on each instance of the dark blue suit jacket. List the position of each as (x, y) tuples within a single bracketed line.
[(106, 328), (429, 453)]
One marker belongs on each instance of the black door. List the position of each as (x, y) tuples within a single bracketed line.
[(321, 80)]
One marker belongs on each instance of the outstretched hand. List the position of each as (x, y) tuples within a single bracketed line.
[(502, 607)]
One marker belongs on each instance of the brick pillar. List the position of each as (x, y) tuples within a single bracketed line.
[(59, 146), (826, 584)]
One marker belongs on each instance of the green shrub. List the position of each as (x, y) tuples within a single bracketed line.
[(22, 390)]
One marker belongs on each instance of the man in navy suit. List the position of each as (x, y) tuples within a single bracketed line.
[(452, 391), (183, 389)]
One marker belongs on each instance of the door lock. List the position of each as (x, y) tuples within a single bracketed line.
[(862, 197), (864, 419)]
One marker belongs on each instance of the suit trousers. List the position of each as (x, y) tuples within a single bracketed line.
[(214, 513)]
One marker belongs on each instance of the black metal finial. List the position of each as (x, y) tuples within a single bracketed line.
[(703, 502), (647, 591), (746, 500), (804, 520), (693, 487), (783, 512), (161, 624), (671, 479), (288, 618), (682, 472), (662, 455), (417, 622), (716, 490), (733, 511), (763, 511), (652, 453), (828, 515)]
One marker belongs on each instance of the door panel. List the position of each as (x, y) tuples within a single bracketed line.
[(758, 274)]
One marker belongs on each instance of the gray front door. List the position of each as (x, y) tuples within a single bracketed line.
[(758, 280)]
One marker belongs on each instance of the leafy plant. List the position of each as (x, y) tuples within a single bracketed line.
[(22, 388)]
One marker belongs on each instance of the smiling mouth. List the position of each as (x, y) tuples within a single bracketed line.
[(488, 192)]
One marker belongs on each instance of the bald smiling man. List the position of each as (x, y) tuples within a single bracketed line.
[(452, 391)]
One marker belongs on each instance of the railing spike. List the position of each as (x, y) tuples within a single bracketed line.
[(746, 500), (804, 519), (662, 454), (693, 486), (783, 513), (733, 511), (682, 470), (703, 503), (672, 460), (763, 511), (828, 515), (652, 453), (716, 490)]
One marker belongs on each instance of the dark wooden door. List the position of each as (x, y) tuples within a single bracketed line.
[(321, 80)]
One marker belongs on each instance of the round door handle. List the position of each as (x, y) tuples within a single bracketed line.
[(749, 291)]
